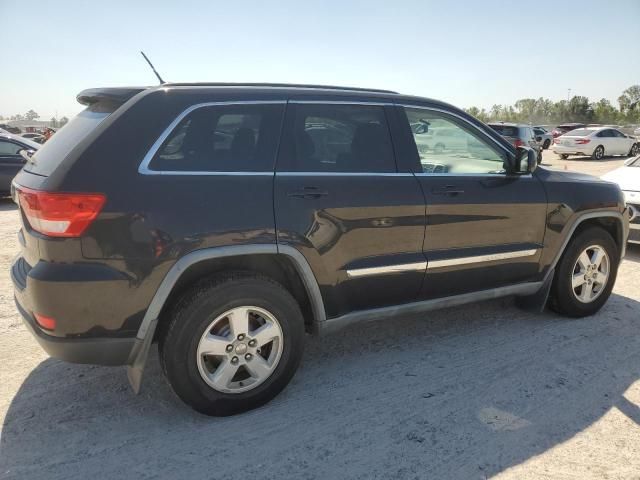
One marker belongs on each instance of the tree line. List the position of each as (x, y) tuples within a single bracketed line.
[(543, 111), (33, 115)]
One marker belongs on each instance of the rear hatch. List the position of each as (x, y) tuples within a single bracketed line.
[(48, 215), (509, 132)]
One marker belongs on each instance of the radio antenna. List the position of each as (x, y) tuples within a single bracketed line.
[(153, 68)]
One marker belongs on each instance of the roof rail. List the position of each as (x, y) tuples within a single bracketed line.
[(277, 85)]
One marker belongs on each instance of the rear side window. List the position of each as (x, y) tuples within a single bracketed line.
[(51, 154), (222, 138), (336, 138)]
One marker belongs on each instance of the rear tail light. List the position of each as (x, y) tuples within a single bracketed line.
[(45, 322), (59, 214), (518, 143), (582, 141)]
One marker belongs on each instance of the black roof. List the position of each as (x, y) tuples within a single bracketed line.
[(277, 85)]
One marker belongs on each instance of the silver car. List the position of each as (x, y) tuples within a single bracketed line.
[(543, 137)]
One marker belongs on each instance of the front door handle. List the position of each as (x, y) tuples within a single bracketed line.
[(308, 193), (450, 190)]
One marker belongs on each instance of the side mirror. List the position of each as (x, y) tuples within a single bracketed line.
[(526, 160), (26, 154)]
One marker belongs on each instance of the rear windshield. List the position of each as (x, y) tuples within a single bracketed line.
[(580, 132), (505, 130), (45, 160)]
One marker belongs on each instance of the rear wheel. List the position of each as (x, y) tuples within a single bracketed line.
[(564, 156), (546, 144), (232, 344), (539, 157), (585, 274), (598, 153)]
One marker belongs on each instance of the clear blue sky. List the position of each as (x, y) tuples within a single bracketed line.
[(467, 53)]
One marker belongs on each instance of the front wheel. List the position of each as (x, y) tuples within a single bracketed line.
[(546, 144), (634, 150), (232, 344), (586, 273)]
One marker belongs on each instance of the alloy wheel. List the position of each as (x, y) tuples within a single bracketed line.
[(240, 349), (590, 274)]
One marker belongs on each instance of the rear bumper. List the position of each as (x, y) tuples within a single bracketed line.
[(99, 350), (572, 150)]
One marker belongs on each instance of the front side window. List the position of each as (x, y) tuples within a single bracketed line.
[(336, 138), (9, 148), (222, 138), (449, 146)]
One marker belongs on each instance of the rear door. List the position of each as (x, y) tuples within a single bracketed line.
[(341, 202), (485, 228), (10, 163)]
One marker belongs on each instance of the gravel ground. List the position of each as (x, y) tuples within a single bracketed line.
[(470, 392)]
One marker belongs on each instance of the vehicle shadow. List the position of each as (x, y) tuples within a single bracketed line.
[(6, 204), (467, 393)]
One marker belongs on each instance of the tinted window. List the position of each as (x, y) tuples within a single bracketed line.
[(60, 145), (337, 138), (604, 134), (9, 148), (616, 133), (505, 130), (450, 146), (222, 138)]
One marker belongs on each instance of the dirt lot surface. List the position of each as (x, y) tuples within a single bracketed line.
[(472, 392)]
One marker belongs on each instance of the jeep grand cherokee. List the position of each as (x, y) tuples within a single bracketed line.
[(225, 221)]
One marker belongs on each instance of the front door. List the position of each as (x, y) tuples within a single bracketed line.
[(341, 202), (485, 228)]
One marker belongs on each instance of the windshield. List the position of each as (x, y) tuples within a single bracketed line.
[(51, 154)]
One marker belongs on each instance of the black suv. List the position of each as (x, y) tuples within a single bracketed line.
[(225, 221)]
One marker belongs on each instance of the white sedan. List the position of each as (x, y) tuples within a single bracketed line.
[(628, 179), (595, 142)]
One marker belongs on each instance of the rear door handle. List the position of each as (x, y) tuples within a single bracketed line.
[(308, 193), (451, 190)]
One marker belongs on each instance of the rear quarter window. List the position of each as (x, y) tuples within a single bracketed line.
[(505, 130), (222, 138), (53, 152)]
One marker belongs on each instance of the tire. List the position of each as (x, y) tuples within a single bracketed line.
[(546, 144), (564, 297), (598, 153), (207, 309), (564, 156), (635, 149), (539, 157)]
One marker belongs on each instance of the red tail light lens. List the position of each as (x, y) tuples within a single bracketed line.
[(582, 141), (59, 214), (45, 322), (518, 143)]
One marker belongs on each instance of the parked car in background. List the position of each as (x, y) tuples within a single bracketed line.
[(595, 142), (31, 135), (566, 127), (11, 160), (628, 179), (10, 129), (543, 137), (519, 135)]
